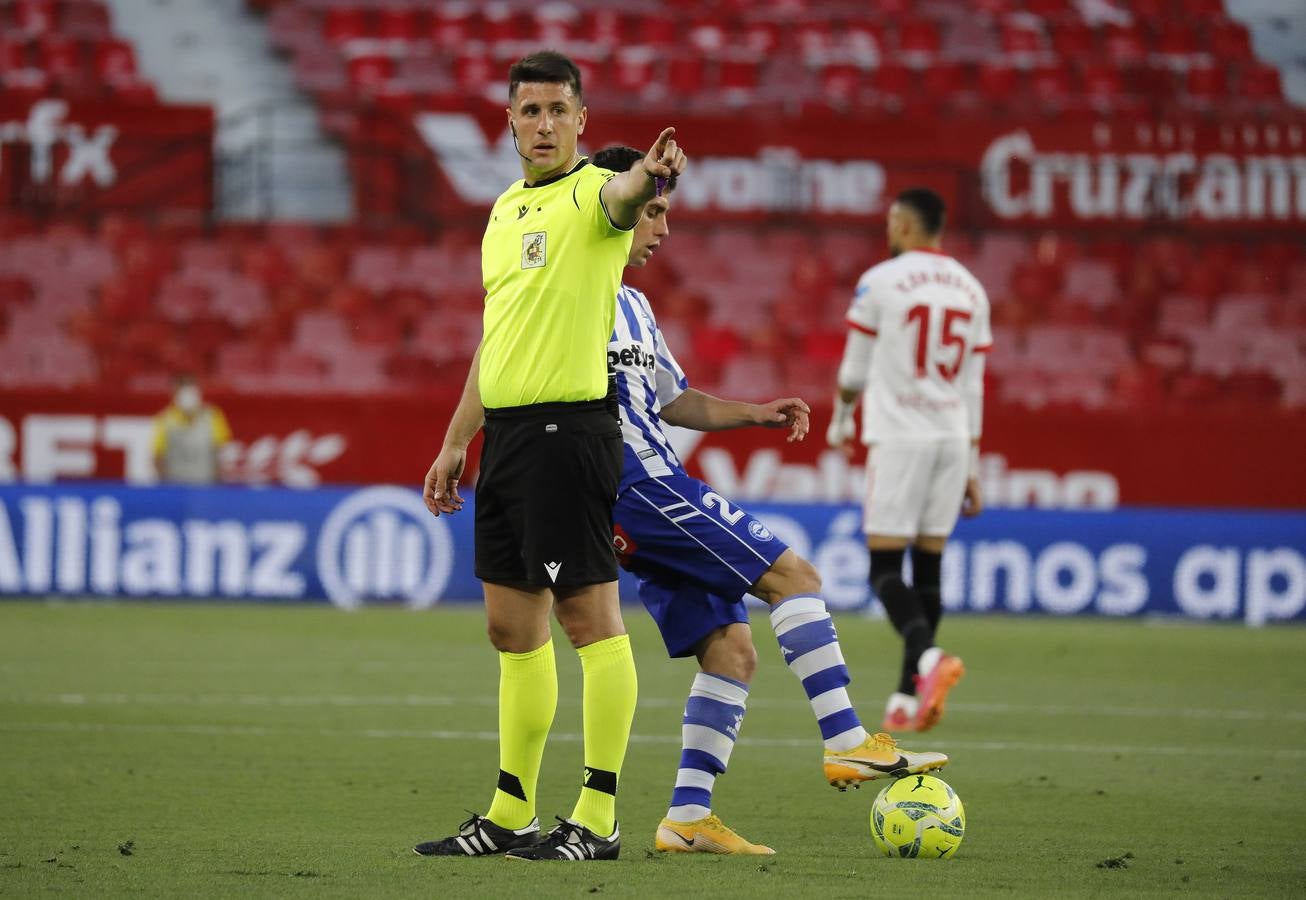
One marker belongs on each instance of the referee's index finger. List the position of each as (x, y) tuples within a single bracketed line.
[(660, 145)]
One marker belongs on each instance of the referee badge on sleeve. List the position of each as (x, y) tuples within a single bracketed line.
[(534, 250)]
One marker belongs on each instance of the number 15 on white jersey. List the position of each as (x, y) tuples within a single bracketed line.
[(930, 319)]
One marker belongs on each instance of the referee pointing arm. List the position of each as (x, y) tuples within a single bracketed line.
[(551, 261)]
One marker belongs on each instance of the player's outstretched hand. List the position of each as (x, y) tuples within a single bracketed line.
[(440, 491), (841, 430), (789, 412), (972, 504), (664, 158)]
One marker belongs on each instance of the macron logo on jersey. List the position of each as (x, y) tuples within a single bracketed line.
[(553, 569)]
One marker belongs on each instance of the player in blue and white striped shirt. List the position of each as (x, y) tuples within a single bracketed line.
[(697, 555)]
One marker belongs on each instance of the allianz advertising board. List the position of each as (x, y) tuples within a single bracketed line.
[(379, 545)]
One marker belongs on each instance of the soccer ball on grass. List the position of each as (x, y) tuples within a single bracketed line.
[(918, 816)]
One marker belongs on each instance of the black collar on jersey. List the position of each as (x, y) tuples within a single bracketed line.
[(584, 161)]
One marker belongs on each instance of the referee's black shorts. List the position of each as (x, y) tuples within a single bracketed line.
[(548, 481)]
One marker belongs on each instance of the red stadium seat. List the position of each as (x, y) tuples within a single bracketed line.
[(502, 25), (633, 68), (707, 35), (132, 90), (342, 24), (761, 37), (1151, 10), (606, 27), (13, 54), (1104, 85), (1073, 39), (35, 16), (86, 20), (24, 85), (1178, 42), (114, 60), (1155, 83), (659, 31), (1197, 10), (399, 24), (1125, 44), (60, 56), (474, 71), (1052, 85), (944, 81), (995, 7), (1260, 82), (455, 26), (1228, 40), (998, 82), (888, 9), (1022, 39), (815, 41), (862, 43), (685, 75), (1206, 83), (893, 81), (370, 73), (1048, 9), (556, 24), (738, 77), (918, 39), (840, 83)]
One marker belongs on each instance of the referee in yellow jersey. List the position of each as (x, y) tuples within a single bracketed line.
[(551, 261)]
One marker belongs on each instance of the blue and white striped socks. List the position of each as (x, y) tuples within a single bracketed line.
[(811, 650), (711, 726)]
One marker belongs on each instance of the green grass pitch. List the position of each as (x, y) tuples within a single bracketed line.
[(166, 750)]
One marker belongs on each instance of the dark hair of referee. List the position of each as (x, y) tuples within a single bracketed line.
[(545, 67)]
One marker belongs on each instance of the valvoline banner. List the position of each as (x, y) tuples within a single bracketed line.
[(1079, 170), (380, 545)]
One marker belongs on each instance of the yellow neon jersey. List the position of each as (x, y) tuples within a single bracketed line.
[(551, 262)]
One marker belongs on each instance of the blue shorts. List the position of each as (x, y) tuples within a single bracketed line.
[(696, 555)]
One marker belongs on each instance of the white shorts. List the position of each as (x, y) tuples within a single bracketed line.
[(915, 488)]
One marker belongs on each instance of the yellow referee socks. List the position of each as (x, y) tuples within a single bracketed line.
[(609, 706), (528, 697)]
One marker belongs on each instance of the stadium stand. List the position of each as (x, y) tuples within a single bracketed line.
[(1081, 323), (1165, 55), (68, 49)]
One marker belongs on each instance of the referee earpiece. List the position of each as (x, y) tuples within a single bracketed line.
[(516, 146)]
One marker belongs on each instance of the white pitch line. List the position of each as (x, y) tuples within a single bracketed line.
[(420, 700), (571, 737)]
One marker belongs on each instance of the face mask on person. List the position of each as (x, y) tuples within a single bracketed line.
[(188, 399)]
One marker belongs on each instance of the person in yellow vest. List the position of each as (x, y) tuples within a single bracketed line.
[(188, 435), (540, 383)]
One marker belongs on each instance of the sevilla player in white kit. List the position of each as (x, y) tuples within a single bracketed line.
[(919, 329)]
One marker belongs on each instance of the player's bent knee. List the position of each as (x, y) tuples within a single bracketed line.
[(805, 577), (745, 658), (729, 651), (789, 576)]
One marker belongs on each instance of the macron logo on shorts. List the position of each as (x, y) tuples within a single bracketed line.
[(553, 569)]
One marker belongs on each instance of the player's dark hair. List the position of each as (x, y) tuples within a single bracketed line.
[(619, 158), (928, 205), (544, 67)]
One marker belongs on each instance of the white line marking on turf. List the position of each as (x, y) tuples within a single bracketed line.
[(571, 737), (417, 700)]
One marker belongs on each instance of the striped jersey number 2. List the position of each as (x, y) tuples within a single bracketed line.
[(728, 512), (948, 337)]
